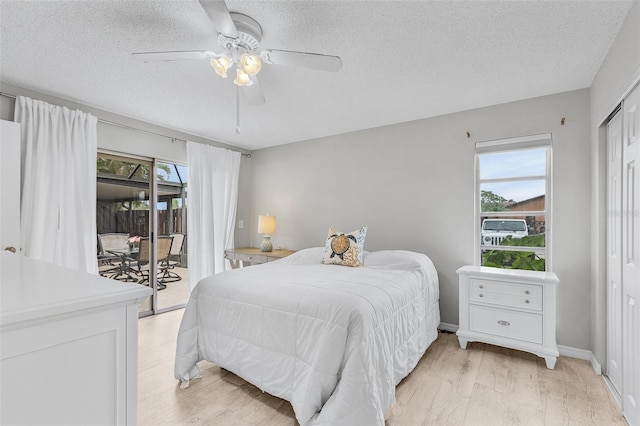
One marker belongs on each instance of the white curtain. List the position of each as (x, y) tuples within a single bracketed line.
[(58, 181), (211, 213)]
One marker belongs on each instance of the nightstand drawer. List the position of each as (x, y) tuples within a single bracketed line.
[(501, 322), (509, 300), (527, 296), (247, 256), (532, 290)]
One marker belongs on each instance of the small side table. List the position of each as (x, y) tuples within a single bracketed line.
[(247, 256), (511, 308)]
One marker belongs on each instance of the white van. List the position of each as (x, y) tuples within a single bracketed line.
[(496, 230)]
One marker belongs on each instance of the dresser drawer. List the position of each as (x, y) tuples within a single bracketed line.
[(527, 296), (524, 326)]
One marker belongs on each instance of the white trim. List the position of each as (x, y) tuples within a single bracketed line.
[(564, 350), (544, 140), (445, 326), (581, 354), (634, 81), (123, 156), (521, 142), (612, 390)]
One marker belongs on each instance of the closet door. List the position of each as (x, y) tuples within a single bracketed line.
[(631, 257), (614, 252)]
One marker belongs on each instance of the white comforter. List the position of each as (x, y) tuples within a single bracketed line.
[(332, 340)]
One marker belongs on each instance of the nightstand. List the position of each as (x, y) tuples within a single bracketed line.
[(511, 308), (247, 256)]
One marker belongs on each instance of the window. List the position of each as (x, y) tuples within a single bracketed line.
[(513, 181)]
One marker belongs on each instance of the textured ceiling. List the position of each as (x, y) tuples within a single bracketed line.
[(402, 60)]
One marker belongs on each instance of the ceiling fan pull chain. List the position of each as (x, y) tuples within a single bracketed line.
[(238, 110)]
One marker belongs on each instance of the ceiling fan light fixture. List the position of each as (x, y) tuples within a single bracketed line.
[(250, 63), (242, 78), (221, 64)]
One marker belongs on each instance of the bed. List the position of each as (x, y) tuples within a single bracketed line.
[(332, 340)]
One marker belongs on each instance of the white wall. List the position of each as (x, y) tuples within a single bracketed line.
[(618, 73), (413, 185)]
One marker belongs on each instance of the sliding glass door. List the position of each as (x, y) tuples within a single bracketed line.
[(141, 227), (171, 219)]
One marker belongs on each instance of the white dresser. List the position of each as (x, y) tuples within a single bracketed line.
[(69, 345), (510, 308)]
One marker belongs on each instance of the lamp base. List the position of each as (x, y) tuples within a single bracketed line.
[(266, 244)]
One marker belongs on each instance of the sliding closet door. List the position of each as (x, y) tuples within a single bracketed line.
[(631, 256), (614, 251)]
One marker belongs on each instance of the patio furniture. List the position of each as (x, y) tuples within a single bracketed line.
[(113, 241), (143, 266), (124, 271), (114, 256), (106, 266), (174, 259)]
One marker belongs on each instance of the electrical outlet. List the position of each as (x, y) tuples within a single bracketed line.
[(241, 224)]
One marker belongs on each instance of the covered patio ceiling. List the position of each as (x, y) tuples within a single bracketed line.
[(118, 188)]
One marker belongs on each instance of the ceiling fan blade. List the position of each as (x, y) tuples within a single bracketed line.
[(219, 15), (253, 94), (178, 55), (302, 59)]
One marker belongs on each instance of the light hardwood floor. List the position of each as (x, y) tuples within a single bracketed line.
[(483, 385)]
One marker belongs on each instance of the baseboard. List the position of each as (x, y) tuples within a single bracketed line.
[(564, 350), (612, 390), (445, 326), (581, 354)]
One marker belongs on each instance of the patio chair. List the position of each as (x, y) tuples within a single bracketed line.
[(165, 275), (114, 241), (143, 266), (110, 263), (106, 265)]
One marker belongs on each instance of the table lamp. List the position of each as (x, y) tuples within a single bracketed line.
[(266, 226)]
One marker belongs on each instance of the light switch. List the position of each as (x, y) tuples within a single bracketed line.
[(241, 224)]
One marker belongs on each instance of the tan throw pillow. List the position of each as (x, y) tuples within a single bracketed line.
[(344, 249)]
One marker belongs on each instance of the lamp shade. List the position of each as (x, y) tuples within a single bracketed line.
[(266, 224)]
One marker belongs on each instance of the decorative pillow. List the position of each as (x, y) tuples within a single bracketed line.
[(344, 249)]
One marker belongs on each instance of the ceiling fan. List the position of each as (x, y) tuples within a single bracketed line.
[(239, 36)]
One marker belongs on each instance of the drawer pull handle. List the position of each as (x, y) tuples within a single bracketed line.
[(249, 257), (526, 301), (481, 286), (481, 295), (502, 322), (526, 292)]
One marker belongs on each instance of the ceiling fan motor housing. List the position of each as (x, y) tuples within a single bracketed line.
[(249, 33)]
